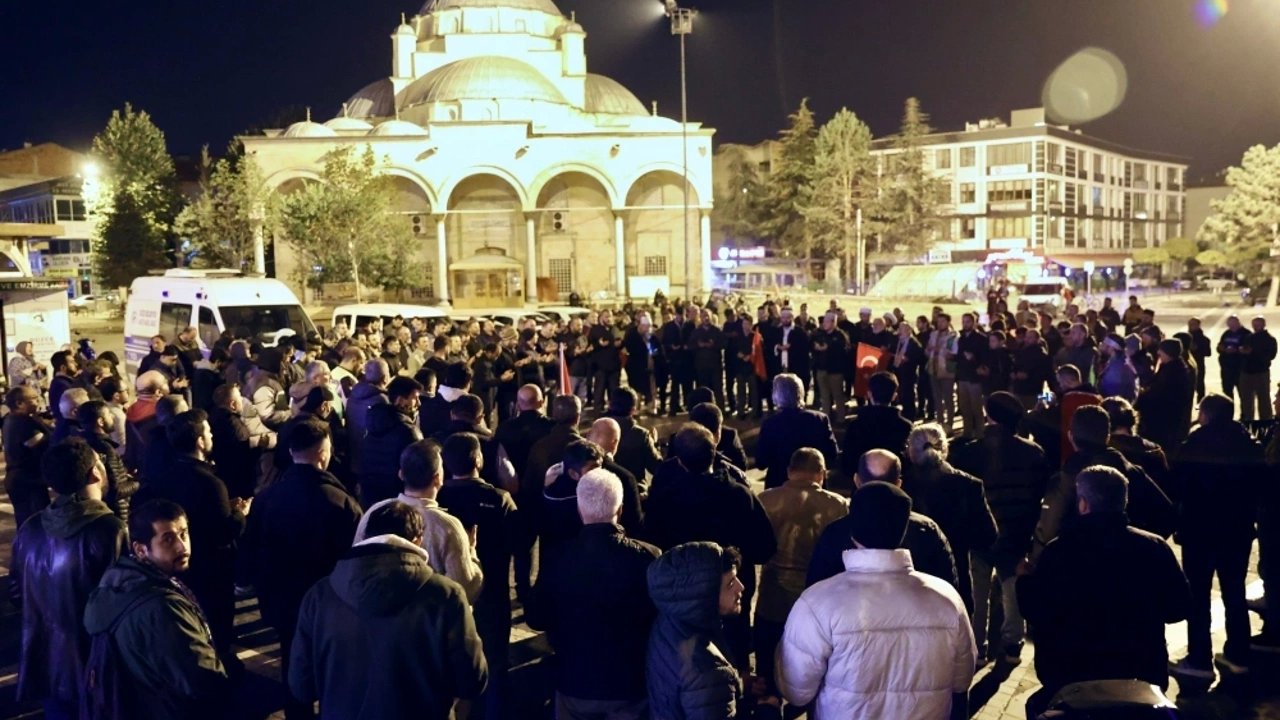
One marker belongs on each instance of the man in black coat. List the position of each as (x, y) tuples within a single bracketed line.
[(677, 349), (1101, 562), (690, 501), (905, 363), (1219, 473), (215, 519), (1231, 354), (636, 449), (518, 435), (370, 391), (96, 421), (878, 425), (786, 350), (433, 414), (596, 609), (1165, 405), (237, 452), (384, 635), (391, 429), (58, 558), (1201, 349), (1014, 476), (499, 531), (930, 551), (708, 355), (1255, 376), (1032, 369), (26, 437), (300, 527), (159, 456), (606, 357), (790, 429)]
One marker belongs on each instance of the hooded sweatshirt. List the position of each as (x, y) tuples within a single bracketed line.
[(387, 637), (689, 674)]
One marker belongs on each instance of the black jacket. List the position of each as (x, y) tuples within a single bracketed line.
[(1164, 407), (595, 606), (797, 357), (159, 455), (787, 431), (234, 453), (478, 504), (22, 463), (973, 342), (1262, 351), (215, 525), (930, 551), (1218, 473), (1014, 477), (59, 555), (1149, 508), (636, 449), (956, 501), (1034, 362), (1100, 562), (298, 529), (518, 434), (389, 432), (363, 398), (121, 486), (1148, 456), (874, 427), (385, 636), (545, 452), (684, 507), (558, 520)]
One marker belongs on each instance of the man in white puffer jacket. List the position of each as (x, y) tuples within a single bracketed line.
[(879, 640)]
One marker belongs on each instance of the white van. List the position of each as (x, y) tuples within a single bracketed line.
[(257, 309), (359, 316), (1046, 293)]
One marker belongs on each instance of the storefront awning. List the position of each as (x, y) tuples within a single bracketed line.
[(1100, 260)]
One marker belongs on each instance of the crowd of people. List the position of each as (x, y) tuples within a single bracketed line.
[(389, 494)]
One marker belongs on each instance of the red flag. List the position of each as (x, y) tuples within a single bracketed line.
[(870, 360), (566, 388)]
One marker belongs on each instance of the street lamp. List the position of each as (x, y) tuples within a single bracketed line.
[(682, 26)]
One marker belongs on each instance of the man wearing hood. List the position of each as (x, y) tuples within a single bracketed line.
[(299, 528), (392, 427), (693, 587), (58, 558), (160, 640), (385, 636)]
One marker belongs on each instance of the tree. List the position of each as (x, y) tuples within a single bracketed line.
[(909, 197), (1246, 222), (739, 212), (786, 189), (234, 206), (1182, 251), (345, 230), (843, 182), (136, 201)]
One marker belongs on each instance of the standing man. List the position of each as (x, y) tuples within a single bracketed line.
[(1201, 349), (1255, 374), (792, 428), (908, 356), (972, 348), (451, 550), (787, 351), (392, 426), (708, 356), (941, 367), (676, 347), (605, 356), (26, 437), (1231, 355), (830, 356), (163, 650), (58, 559)]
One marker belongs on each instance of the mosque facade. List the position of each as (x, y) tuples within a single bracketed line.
[(523, 176)]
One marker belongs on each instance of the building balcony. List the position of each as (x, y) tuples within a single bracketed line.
[(1009, 206)]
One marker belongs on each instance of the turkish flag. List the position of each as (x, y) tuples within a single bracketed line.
[(566, 386), (870, 360)]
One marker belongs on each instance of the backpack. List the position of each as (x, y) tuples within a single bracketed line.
[(105, 688)]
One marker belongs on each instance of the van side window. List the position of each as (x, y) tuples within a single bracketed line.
[(208, 328), (174, 318)]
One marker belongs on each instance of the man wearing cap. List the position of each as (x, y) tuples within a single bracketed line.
[(1118, 377), (1255, 376), (1231, 355), (858, 625)]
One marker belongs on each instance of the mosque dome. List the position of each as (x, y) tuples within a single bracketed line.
[(398, 128), (571, 27), (308, 129), (347, 123), (482, 78), (377, 99), (608, 96), (405, 29), (545, 6)]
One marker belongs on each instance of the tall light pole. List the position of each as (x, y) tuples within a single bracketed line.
[(682, 26)]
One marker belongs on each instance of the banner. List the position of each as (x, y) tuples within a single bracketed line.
[(870, 360), (566, 388)]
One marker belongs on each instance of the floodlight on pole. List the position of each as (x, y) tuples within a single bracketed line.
[(682, 25)]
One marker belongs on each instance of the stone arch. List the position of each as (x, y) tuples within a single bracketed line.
[(660, 239), (606, 183), (485, 209), (661, 178), (445, 197), (575, 232), (415, 203), (282, 261), (284, 180), (410, 177)]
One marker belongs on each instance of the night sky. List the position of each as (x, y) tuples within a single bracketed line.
[(1201, 83)]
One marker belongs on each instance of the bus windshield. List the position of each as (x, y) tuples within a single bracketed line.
[(264, 322)]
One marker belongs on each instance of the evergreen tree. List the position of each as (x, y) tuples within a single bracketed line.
[(786, 189), (738, 211), (1246, 223), (234, 205), (843, 182), (345, 230), (910, 194), (137, 199)]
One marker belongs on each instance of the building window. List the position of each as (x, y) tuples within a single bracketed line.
[(1009, 191), (1053, 156), (968, 228), (968, 193), (655, 264), (967, 156), (1007, 227), (1013, 154), (562, 272), (942, 159)]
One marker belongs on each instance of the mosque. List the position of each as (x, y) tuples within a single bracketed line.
[(523, 176)]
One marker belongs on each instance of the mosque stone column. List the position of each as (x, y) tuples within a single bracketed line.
[(442, 260), (531, 259), (704, 252), (620, 254)]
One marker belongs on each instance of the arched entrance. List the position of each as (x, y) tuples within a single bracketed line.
[(575, 237), (413, 206), (657, 226), (282, 260), (485, 211)]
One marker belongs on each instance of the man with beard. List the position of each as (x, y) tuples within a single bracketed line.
[(830, 356), (972, 347), (641, 345), (678, 350), (1165, 404), (708, 355), (786, 350)]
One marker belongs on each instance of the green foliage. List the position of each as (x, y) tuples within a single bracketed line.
[(843, 181), (739, 212), (1182, 249), (786, 193), (1244, 224), (137, 198), (1212, 258), (344, 226), (234, 202), (1151, 256), (908, 207)]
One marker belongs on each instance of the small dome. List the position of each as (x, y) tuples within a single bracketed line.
[(308, 129), (405, 29), (571, 27), (377, 99), (348, 124), (608, 96), (544, 6), (398, 128), (482, 78)]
